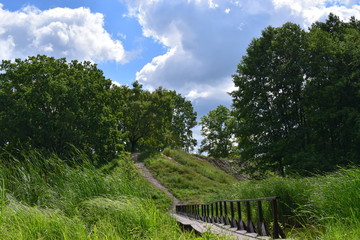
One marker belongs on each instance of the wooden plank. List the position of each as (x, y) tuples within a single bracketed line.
[(217, 229)]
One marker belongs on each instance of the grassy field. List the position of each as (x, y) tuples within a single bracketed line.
[(44, 198), (187, 177)]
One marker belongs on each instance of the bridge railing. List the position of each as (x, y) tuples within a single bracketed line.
[(238, 214)]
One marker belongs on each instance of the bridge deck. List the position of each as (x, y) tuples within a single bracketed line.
[(218, 229)]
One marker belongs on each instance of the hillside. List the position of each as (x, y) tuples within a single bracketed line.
[(188, 177)]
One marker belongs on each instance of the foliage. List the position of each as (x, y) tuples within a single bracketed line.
[(54, 105), (47, 103), (217, 130), (156, 120), (297, 104)]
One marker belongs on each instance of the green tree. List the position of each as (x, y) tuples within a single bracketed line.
[(48, 103), (217, 130), (297, 104), (156, 120), (332, 92), (267, 103)]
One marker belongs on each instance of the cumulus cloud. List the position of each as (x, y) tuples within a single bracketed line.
[(59, 32), (205, 40), (314, 10)]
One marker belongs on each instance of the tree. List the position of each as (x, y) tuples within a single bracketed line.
[(332, 91), (297, 104), (217, 130), (156, 120), (267, 103), (47, 103)]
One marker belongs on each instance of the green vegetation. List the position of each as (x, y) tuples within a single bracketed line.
[(186, 176), (320, 207), (54, 105), (65, 132), (317, 207), (217, 128), (296, 105), (44, 198)]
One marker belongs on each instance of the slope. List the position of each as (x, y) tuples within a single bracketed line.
[(186, 176)]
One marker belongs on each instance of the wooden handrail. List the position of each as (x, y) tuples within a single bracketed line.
[(231, 214)]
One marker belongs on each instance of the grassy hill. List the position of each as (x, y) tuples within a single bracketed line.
[(188, 177)]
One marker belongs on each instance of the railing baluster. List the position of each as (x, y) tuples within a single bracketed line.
[(277, 232), (204, 212), (226, 218), (233, 221), (207, 213), (241, 224), (221, 213), (217, 212), (250, 225), (262, 230), (212, 213), (198, 211)]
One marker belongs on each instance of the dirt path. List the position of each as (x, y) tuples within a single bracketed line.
[(147, 174)]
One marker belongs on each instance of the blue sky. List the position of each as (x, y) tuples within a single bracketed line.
[(191, 46)]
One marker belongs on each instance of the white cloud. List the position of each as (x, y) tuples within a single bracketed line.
[(205, 45), (60, 32), (315, 10)]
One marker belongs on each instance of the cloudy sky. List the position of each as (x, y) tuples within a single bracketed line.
[(191, 46)]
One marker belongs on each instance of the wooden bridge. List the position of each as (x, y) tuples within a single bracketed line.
[(228, 218)]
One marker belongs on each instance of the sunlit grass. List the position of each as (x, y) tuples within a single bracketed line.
[(44, 197), (187, 177), (318, 207)]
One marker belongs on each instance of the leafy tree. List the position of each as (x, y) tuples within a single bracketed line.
[(332, 92), (297, 104), (183, 119), (217, 130), (267, 103), (47, 103), (156, 120)]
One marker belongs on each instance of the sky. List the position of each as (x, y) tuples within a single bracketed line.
[(191, 46)]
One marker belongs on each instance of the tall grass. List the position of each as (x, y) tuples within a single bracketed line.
[(44, 197), (320, 207)]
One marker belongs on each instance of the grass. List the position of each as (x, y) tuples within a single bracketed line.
[(318, 207), (44, 197), (187, 177)]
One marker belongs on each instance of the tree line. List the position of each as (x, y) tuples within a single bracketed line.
[(297, 103), (58, 106), (296, 107)]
